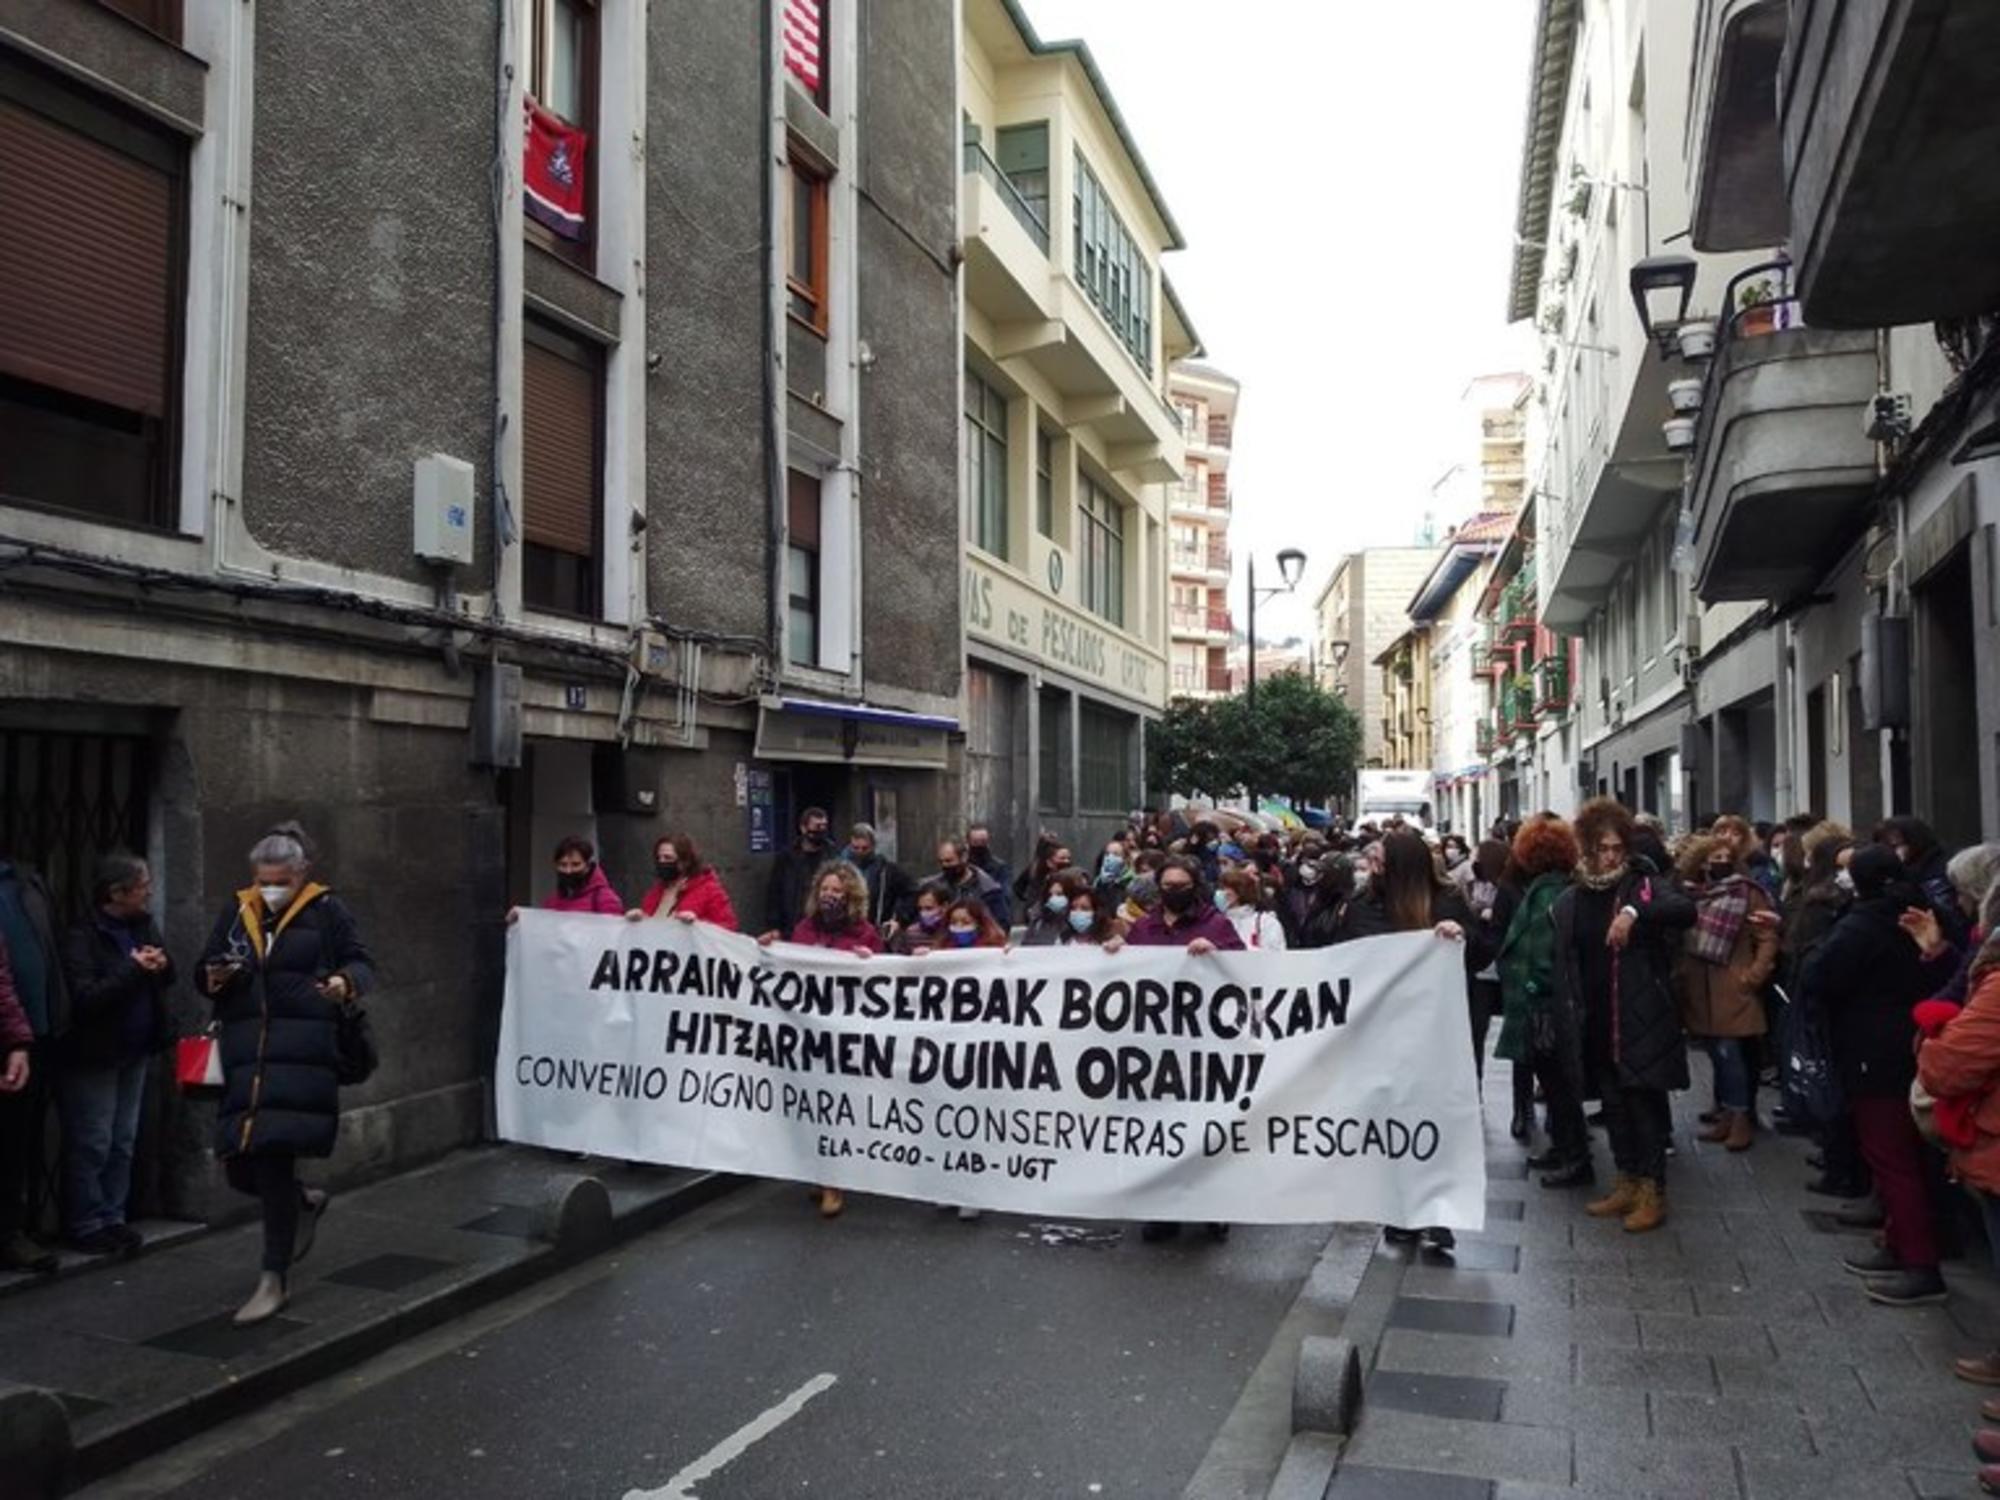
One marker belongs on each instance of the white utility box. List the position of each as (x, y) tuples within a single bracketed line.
[(444, 510)]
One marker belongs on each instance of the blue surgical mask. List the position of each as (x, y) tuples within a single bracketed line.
[(1079, 921), (1057, 903), (1114, 866), (965, 937), (1223, 900)]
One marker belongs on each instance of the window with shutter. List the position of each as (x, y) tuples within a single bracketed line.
[(91, 291), (560, 49), (562, 425)]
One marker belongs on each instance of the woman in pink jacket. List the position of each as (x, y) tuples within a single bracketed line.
[(581, 884)]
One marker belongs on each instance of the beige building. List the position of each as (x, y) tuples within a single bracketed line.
[(1363, 608), (1405, 671), (1070, 447), (1198, 510)]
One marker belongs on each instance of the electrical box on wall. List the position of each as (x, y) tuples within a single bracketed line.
[(496, 716), (624, 781), (443, 510), (1885, 672)]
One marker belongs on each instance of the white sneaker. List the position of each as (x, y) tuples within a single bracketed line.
[(266, 1302)]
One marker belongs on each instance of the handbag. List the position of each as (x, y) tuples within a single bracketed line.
[(1811, 1083), (354, 1038), (198, 1061)]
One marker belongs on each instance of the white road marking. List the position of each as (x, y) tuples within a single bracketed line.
[(739, 1442)]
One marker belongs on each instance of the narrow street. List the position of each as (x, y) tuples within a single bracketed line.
[(907, 1354)]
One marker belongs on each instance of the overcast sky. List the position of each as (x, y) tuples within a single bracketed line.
[(1345, 176)]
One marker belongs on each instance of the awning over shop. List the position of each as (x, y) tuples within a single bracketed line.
[(814, 729)]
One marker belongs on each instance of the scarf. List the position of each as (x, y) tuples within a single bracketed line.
[(1591, 882), (1720, 908)]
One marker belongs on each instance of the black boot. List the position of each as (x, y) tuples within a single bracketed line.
[(1523, 1124), (1578, 1172), (1159, 1229), (1549, 1160)]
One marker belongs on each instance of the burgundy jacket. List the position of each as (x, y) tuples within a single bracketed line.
[(596, 895), (15, 1032), (1152, 931)]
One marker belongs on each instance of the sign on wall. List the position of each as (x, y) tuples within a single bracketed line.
[(1002, 609)]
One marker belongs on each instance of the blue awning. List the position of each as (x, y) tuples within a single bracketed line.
[(863, 713)]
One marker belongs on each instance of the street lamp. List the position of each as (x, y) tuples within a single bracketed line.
[(1291, 563), (1657, 282)]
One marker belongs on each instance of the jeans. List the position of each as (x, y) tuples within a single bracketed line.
[(1639, 1121), (1732, 1072), (273, 1180), (21, 1128), (100, 1121)]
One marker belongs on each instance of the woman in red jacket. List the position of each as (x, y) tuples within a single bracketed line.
[(1962, 1064), (685, 887)]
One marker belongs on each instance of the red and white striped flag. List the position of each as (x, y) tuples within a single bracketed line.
[(802, 42)]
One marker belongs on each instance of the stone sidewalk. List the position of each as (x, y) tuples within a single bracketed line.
[(1726, 1356), (141, 1353)]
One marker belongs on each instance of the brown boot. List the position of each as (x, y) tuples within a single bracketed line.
[(831, 1202), (1649, 1211), (1621, 1200), (1717, 1130), (1742, 1131)]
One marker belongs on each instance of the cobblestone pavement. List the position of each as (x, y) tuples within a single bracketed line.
[(1726, 1355)]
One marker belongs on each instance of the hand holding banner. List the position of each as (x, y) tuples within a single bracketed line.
[(1296, 1087)]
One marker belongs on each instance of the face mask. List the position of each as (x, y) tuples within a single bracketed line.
[(1845, 881), (570, 882), (1058, 904), (1224, 900), (1308, 874), (1178, 898), (981, 856), (832, 910), (669, 870), (1144, 892), (815, 837), (930, 919), (951, 874), (1114, 866), (1719, 871), (1361, 880), (964, 937), (1079, 921), (277, 897)]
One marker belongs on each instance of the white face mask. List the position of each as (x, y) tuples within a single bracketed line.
[(1845, 881), (277, 897)]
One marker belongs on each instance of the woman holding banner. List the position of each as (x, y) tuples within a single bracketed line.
[(1539, 1034), (926, 930), (684, 887)]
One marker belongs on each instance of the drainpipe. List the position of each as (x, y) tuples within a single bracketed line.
[(773, 364)]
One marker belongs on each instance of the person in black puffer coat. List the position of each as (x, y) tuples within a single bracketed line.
[(1618, 931), (284, 957), (1864, 976)]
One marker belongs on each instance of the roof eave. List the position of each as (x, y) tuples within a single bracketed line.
[(1548, 99)]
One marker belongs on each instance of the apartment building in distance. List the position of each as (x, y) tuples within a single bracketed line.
[(451, 503), (1361, 610), (1070, 446), (1198, 510)]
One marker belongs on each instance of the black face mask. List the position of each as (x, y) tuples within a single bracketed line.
[(571, 883), (1720, 871), (981, 855), (1177, 899), (669, 870), (814, 838), (951, 874)]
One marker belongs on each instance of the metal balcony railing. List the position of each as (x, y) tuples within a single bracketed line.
[(1483, 737), (1552, 684), (1218, 679), (1218, 621), (1218, 432), (1218, 559), (976, 160)]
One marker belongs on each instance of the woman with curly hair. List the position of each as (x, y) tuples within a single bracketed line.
[(1617, 931), (1539, 1033), (837, 916)]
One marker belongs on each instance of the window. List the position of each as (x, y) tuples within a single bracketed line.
[(1110, 267), (805, 239), (559, 38), (1670, 581), (1052, 774), (161, 16), (1105, 756), (562, 471), (1102, 550), (802, 508), (92, 281), (985, 465), (1022, 154), (1045, 482)]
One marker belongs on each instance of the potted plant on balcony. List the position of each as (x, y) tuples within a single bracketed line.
[(1684, 396), (1696, 338), (1679, 433), (1757, 308)]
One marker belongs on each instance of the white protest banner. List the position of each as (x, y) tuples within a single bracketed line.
[(1145, 1084)]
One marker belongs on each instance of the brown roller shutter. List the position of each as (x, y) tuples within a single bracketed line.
[(559, 438), (86, 264), (802, 510)]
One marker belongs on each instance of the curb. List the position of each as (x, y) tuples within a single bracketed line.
[(576, 1222)]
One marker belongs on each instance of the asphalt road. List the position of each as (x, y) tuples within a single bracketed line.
[(753, 1351)]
